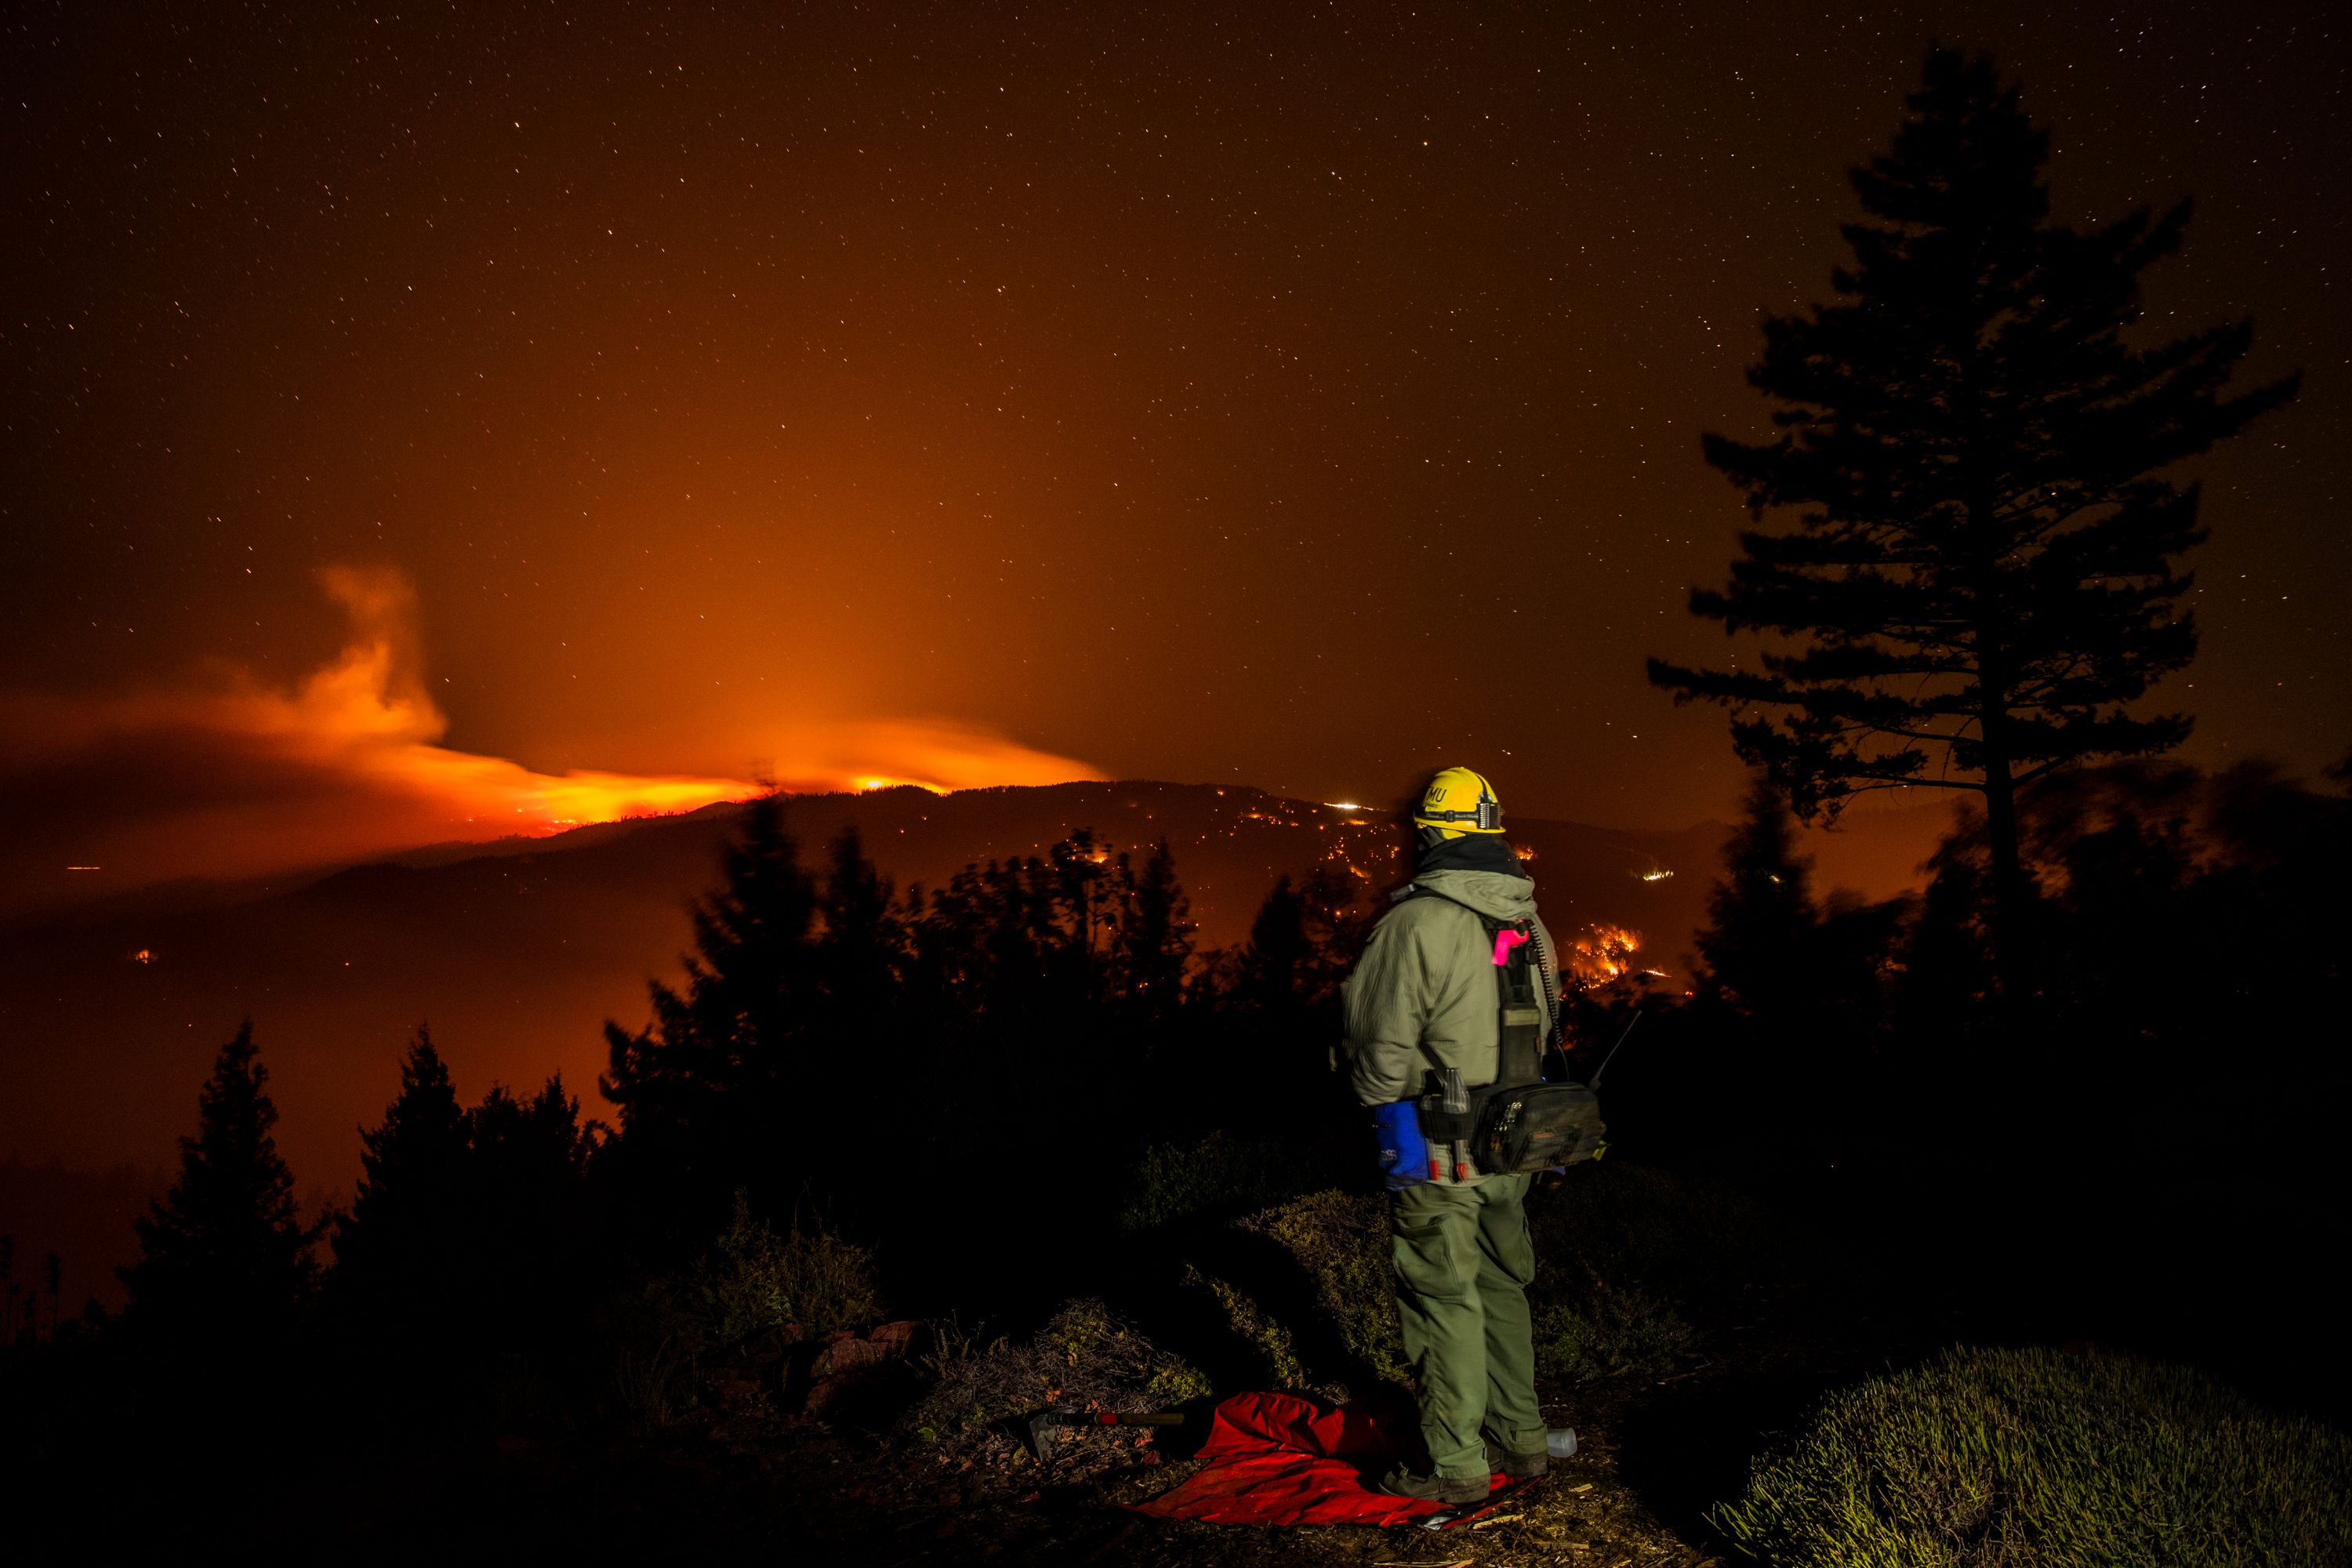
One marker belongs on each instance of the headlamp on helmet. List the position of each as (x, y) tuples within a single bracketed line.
[(1460, 800)]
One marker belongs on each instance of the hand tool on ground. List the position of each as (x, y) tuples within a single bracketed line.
[(1469, 1514)]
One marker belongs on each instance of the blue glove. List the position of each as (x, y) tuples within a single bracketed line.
[(1404, 1157)]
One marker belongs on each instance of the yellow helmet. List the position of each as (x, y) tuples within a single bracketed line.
[(1459, 801)]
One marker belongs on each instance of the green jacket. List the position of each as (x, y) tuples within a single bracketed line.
[(1423, 994)]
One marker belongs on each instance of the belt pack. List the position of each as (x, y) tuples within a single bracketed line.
[(1505, 1128), (1520, 1121)]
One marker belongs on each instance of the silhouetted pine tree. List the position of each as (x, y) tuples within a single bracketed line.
[(868, 1015), (2339, 772), (527, 1233), (396, 1251), (1073, 924), (1023, 942), (861, 952), (1272, 1050), (710, 1092), (1981, 579), (1277, 968), (224, 1255), (1760, 936), (1154, 945), (1302, 942), (471, 1239), (1339, 923)]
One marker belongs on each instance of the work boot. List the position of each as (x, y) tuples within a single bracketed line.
[(1558, 1444), (1516, 1465), (1402, 1482)]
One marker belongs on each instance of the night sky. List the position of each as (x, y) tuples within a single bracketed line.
[(1298, 396)]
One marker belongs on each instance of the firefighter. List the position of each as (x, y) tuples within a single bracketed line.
[(1423, 999)]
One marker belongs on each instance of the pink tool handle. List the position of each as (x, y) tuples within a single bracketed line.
[(1506, 939)]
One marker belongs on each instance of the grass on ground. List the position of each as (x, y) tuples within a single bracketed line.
[(2035, 1458)]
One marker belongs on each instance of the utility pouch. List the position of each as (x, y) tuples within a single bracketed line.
[(1536, 1126), (1449, 1126), (1442, 1129)]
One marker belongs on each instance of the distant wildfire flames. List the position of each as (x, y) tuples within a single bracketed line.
[(1603, 952), (242, 777)]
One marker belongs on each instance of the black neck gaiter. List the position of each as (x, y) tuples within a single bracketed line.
[(1471, 852)]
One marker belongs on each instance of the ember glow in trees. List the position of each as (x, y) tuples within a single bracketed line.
[(1982, 577)]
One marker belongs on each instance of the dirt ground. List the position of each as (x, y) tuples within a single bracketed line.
[(1653, 1456)]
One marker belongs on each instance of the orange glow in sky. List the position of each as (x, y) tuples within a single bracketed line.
[(367, 714), (238, 777)]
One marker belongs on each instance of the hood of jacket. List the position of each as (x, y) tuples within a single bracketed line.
[(1499, 895), (1480, 870)]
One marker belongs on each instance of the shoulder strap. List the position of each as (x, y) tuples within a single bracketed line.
[(1519, 1020), (1518, 1016)]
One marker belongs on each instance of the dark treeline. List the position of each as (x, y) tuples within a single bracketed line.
[(938, 1102), (950, 1087), (2144, 1149), (2084, 1072), (844, 1055)]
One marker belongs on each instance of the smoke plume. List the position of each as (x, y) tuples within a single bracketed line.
[(233, 777)]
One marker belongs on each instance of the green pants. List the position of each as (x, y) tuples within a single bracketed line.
[(1463, 1264)]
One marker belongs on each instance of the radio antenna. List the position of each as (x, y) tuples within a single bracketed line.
[(1595, 1084)]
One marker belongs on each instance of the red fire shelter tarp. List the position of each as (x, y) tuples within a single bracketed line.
[(1282, 1458)]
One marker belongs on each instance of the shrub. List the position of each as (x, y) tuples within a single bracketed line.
[(2036, 1459), (1626, 1254), (1318, 1310), (1342, 1240), (1083, 1357), (649, 1334), (1682, 1239), (1266, 1338), (1605, 1331), (755, 1280), (1301, 1295), (1306, 1288), (643, 1339), (1174, 1181)]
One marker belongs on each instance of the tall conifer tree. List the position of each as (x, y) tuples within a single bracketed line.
[(1155, 937), (1277, 963), (750, 983), (526, 1231), (861, 952), (224, 1253), (395, 1251), (707, 1092), (1982, 577), (1760, 913)]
